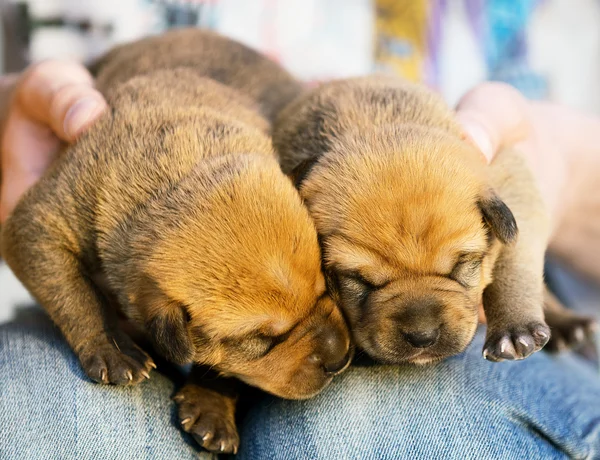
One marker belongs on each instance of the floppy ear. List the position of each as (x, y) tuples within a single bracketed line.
[(169, 332), (499, 217), (166, 322)]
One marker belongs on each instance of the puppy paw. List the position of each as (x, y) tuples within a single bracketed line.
[(569, 331), (515, 342), (121, 362), (209, 418)]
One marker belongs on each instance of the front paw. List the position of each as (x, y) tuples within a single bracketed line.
[(120, 362), (569, 330), (209, 418), (515, 342)]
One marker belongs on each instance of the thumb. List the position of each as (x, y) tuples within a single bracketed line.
[(61, 95), (493, 115), (52, 101)]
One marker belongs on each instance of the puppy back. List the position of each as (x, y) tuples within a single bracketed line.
[(149, 140), (318, 120), (162, 126), (208, 55)]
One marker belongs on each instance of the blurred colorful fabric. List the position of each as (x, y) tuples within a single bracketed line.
[(409, 35), (546, 48)]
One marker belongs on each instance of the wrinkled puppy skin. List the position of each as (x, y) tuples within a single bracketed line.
[(174, 207), (416, 230)]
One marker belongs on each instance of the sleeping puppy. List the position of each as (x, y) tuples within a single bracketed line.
[(174, 208), (415, 230), (208, 55)]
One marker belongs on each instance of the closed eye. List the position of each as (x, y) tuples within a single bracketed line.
[(357, 277), (357, 287), (257, 345), (466, 270), (251, 347)]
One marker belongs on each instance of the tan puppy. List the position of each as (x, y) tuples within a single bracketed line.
[(175, 198), (415, 230)]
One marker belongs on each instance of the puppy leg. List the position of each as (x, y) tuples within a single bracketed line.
[(206, 406), (513, 309), (48, 266), (569, 329), (513, 302)]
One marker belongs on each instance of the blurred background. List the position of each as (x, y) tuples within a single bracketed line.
[(548, 49)]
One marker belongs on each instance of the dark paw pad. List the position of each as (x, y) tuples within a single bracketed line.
[(570, 331), (119, 363), (515, 342), (209, 418)]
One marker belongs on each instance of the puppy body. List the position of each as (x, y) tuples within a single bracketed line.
[(175, 198), (416, 231), (208, 55)]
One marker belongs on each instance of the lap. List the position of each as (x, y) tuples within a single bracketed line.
[(50, 409), (545, 407), (465, 407)]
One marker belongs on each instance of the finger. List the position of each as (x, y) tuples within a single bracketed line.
[(60, 94), (28, 149), (572, 131), (492, 115), (7, 85)]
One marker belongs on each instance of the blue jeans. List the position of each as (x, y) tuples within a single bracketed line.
[(466, 408)]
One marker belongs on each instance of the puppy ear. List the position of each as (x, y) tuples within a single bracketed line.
[(168, 329), (499, 217), (166, 322), (302, 170)]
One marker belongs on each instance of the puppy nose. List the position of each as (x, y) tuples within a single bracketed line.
[(422, 339), (336, 368), (333, 352)]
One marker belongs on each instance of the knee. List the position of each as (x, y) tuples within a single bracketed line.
[(464, 404), (34, 356), (368, 412), (40, 377)]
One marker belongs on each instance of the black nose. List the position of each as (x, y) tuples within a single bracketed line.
[(422, 339), (335, 368), (333, 349)]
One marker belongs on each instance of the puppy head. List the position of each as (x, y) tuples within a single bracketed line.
[(233, 280), (410, 231)]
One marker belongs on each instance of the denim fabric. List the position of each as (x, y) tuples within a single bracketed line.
[(464, 408), (579, 294), (545, 407), (50, 410), (575, 292)]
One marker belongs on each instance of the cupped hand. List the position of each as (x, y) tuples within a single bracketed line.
[(562, 146), (49, 103)]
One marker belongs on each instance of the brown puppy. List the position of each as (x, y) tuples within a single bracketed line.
[(209, 55), (415, 230), (175, 198)]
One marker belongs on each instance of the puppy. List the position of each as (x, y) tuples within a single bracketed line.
[(208, 55), (415, 230), (175, 199)]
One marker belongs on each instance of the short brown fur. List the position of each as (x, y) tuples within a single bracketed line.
[(208, 55), (175, 199), (416, 232)]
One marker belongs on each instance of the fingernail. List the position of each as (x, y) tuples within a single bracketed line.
[(480, 138), (79, 116)]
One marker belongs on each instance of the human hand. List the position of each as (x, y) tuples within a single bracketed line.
[(50, 103), (563, 150)]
